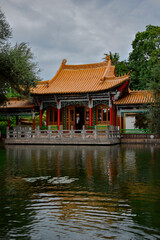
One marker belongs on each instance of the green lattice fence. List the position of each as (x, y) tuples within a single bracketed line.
[(136, 131)]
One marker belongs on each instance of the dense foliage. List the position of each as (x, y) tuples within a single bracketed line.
[(5, 31), (144, 57), (154, 86), (17, 69), (146, 70), (142, 121)]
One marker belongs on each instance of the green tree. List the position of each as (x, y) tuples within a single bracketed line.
[(154, 86), (113, 56), (145, 63), (121, 67), (17, 68), (154, 83), (5, 31), (142, 121), (144, 57)]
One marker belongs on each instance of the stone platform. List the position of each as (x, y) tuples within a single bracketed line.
[(63, 137)]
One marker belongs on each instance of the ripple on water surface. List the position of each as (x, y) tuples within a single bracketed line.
[(84, 215)]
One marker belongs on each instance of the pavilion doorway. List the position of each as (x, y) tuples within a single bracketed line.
[(79, 117), (75, 117)]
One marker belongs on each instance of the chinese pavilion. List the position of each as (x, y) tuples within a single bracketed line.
[(82, 95)]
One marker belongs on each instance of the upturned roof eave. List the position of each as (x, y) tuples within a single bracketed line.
[(79, 92), (47, 87)]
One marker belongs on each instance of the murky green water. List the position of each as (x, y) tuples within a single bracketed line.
[(85, 193)]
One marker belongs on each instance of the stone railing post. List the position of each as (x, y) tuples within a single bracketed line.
[(118, 131), (60, 131), (38, 132), (49, 132), (71, 132), (112, 132), (112, 128), (29, 132), (7, 132), (14, 132), (26, 132), (83, 132), (18, 132), (107, 132), (115, 131), (95, 132)]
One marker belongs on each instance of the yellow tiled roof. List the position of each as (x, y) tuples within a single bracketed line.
[(81, 78), (135, 97)]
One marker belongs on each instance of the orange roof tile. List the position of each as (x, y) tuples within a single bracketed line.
[(81, 78), (14, 103), (135, 97)]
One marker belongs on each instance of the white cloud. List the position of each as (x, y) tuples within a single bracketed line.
[(80, 31)]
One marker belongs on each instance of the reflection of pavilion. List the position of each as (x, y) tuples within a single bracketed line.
[(103, 163), (62, 160)]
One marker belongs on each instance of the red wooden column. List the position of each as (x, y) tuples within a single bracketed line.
[(110, 115), (90, 105), (115, 117), (40, 115), (118, 118), (33, 117), (58, 113), (121, 127), (111, 110), (114, 113), (90, 117), (58, 118)]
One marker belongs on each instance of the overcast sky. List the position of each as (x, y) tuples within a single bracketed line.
[(79, 30)]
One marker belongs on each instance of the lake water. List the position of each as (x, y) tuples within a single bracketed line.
[(80, 192)]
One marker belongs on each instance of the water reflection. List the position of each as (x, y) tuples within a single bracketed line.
[(116, 194)]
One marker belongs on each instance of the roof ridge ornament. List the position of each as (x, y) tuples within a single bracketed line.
[(107, 57), (108, 60), (64, 61)]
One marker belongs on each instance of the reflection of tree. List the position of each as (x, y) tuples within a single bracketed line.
[(16, 214), (139, 183), (145, 206)]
